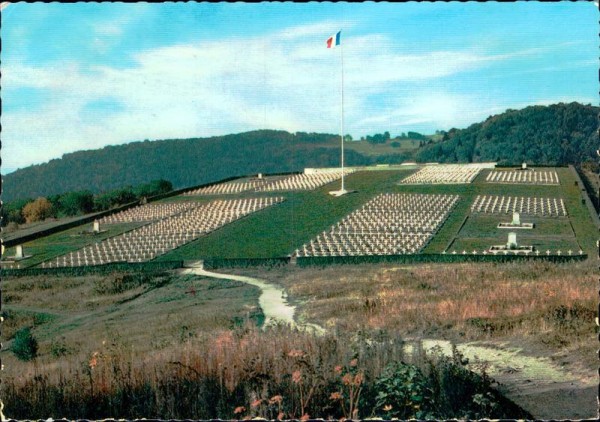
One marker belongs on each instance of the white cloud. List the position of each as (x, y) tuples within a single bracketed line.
[(287, 81), (109, 28)]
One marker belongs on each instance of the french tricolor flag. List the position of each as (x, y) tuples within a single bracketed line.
[(334, 40)]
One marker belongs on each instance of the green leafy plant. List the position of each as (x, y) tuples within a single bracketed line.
[(25, 346), (403, 392)]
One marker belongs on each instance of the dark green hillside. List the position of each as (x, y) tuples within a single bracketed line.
[(553, 135), (558, 134), (185, 162)]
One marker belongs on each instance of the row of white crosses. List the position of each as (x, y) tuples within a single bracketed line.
[(505, 252), (229, 187), (389, 224), (444, 174), (154, 239), (270, 184), (148, 212), (544, 207), (303, 181), (526, 177)]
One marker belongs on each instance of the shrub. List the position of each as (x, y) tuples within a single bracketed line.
[(24, 345), (403, 392), (59, 348), (37, 210)]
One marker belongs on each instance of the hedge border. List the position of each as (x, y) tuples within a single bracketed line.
[(428, 258), (216, 263), (94, 269)]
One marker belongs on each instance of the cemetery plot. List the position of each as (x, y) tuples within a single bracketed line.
[(148, 212), (480, 231), (149, 241), (389, 224), (444, 174), (303, 181), (529, 177), (543, 207)]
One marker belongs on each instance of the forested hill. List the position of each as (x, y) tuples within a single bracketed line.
[(556, 134), (184, 162)]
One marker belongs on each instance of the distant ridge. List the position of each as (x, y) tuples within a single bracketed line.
[(556, 135), (184, 162)]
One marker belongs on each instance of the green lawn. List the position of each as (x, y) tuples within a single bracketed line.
[(485, 225), (366, 148), (278, 230), (539, 243), (57, 244)]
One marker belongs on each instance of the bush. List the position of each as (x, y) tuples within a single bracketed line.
[(59, 348), (38, 210), (404, 392), (24, 345)]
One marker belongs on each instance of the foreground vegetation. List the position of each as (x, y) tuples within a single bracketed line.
[(180, 346), (274, 374), (552, 305)]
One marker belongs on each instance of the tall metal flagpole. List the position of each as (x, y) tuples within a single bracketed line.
[(342, 111)]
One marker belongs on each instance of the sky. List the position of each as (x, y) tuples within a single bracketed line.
[(85, 75)]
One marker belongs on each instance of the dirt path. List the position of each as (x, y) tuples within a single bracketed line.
[(272, 300), (538, 385)]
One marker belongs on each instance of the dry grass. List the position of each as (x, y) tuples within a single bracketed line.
[(279, 373), (74, 315), (161, 352), (224, 369), (552, 304)]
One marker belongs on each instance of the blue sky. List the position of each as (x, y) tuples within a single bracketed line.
[(85, 75)]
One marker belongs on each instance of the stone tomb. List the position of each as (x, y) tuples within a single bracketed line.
[(511, 245), (516, 223), (94, 231), (18, 256)]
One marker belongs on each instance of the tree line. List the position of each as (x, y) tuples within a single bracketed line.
[(75, 203), (558, 134)]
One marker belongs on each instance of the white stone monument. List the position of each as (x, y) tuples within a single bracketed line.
[(524, 166), (516, 221), (96, 228), (512, 240), (19, 253), (260, 175)]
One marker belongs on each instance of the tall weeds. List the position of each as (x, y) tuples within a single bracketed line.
[(275, 374)]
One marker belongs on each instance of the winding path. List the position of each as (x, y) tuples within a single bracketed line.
[(272, 299), (533, 382)]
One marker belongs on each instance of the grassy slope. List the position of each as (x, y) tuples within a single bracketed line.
[(366, 148), (277, 231), (57, 244), (75, 312)]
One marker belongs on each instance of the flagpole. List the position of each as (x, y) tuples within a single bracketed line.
[(342, 112)]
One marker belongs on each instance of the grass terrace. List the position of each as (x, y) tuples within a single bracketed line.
[(49, 247), (279, 230), (480, 232)]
